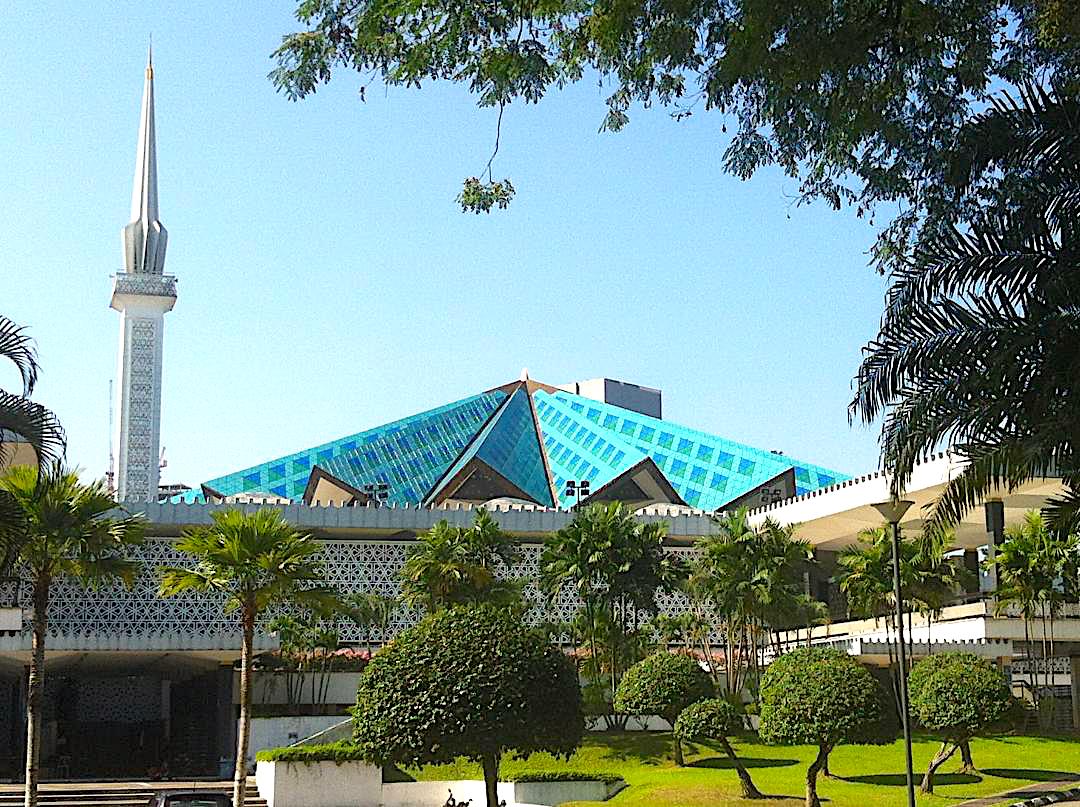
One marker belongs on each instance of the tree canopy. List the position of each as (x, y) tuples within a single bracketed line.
[(957, 696), (453, 565), (663, 684), (860, 101), (820, 696), (976, 349), (468, 681)]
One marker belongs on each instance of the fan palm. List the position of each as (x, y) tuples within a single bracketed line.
[(254, 560), (22, 419), (977, 345), (451, 565), (67, 534)]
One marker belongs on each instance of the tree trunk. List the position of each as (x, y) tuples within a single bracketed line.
[(749, 790), (242, 737), (35, 690), (939, 759), (812, 799), (679, 760), (965, 756), (825, 767), (491, 779)]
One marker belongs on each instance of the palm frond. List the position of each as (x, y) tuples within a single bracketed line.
[(17, 347), (33, 423)]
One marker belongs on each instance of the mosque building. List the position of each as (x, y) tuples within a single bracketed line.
[(134, 679)]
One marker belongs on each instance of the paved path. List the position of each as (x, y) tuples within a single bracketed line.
[(1026, 792)]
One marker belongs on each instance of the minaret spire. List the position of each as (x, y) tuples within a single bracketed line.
[(145, 237), (142, 294)]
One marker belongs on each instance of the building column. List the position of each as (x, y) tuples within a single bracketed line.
[(1074, 690), (995, 533), (226, 716), (971, 564)]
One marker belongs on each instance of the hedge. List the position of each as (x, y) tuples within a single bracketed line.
[(565, 776), (342, 751)]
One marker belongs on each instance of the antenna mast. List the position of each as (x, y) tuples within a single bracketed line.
[(110, 473)]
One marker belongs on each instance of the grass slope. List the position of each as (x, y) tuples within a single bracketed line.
[(865, 775)]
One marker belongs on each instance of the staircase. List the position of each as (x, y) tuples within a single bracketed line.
[(115, 794)]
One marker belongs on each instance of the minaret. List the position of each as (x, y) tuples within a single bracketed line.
[(142, 294)]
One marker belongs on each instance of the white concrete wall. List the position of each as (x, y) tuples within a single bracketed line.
[(429, 794), (554, 793), (274, 732), (319, 784), (271, 687)]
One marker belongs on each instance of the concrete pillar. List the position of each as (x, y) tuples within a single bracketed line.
[(1074, 690), (995, 533), (971, 564), (226, 715)]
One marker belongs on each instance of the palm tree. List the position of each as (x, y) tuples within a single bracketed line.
[(977, 345), (450, 565), (372, 613), (751, 578), (1036, 568), (67, 534), (22, 419), (616, 566), (254, 560)]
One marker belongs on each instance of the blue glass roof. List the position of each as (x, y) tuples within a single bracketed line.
[(707, 471), (509, 445), (408, 454), (580, 438)]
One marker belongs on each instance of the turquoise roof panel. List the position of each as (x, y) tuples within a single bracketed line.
[(578, 449), (509, 444), (708, 471), (408, 455)]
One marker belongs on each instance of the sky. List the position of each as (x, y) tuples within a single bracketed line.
[(328, 281)]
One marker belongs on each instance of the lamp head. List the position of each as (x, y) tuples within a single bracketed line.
[(893, 510)]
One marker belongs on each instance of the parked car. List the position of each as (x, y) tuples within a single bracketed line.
[(190, 798)]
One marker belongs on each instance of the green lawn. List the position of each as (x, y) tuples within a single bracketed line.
[(865, 775)]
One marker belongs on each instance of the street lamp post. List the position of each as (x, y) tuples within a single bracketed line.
[(893, 510), (577, 489)]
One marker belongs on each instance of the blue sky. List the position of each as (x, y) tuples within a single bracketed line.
[(329, 283)]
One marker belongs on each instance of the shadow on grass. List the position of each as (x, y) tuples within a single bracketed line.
[(748, 762), (1032, 774), (900, 780), (645, 747)]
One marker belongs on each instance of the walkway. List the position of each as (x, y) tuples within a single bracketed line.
[(1020, 794)]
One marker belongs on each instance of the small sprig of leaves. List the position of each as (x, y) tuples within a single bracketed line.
[(480, 197)]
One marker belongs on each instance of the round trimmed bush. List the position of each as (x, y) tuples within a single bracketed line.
[(710, 719), (716, 719), (468, 681), (663, 684), (819, 696), (957, 696)]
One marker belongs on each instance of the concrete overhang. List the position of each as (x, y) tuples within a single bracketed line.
[(831, 518)]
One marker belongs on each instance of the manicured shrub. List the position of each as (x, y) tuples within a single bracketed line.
[(343, 751), (716, 719), (565, 776), (819, 696), (468, 681), (956, 696), (663, 684)]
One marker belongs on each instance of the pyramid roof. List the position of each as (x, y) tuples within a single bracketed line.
[(525, 440)]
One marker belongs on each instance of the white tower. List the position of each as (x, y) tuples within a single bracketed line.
[(142, 294)]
